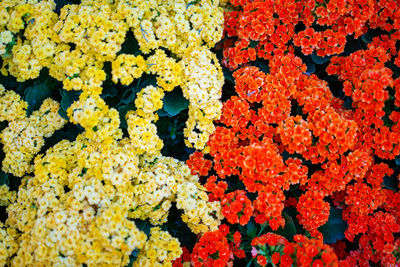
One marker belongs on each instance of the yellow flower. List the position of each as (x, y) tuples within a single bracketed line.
[(74, 209), (12, 107), (160, 250)]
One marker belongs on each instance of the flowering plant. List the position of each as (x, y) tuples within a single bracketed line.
[(199, 133)]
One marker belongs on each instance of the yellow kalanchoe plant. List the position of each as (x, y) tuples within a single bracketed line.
[(77, 206), (24, 137), (160, 250)]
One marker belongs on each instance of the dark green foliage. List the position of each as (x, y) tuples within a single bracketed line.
[(174, 102), (67, 98), (3, 178), (123, 110), (319, 60), (289, 230), (34, 95), (335, 227), (170, 130)]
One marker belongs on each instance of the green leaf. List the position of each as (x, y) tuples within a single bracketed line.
[(170, 130), (37, 93), (4, 178), (144, 226), (397, 160), (133, 257), (289, 230), (310, 65), (251, 230), (263, 65), (9, 47), (228, 75), (391, 182), (61, 3), (162, 113), (367, 37), (109, 87), (109, 91), (69, 132), (352, 45), (348, 102), (9, 81), (292, 212), (253, 43), (123, 110), (192, 3), (334, 228), (319, 60), (128, 96), (130, 46), (130, 92), (144, 81), (174, 102), (67, 98), (177, 228)]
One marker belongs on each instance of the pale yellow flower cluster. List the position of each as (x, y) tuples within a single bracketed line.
[(8, 246), (200, 77), (6, 37), (23, 138), (200, 215), (75, 209), (156, 187), (97, 30), (6, 196), (78, 205), (148, 101), (178, 25), (93, 26), (157, 184), (202, 86), (119, 165), (69, 213), (143, 134), (12, 107), (36, 18), (168, 71), (88, 110), (160, 250), (126, 68), (77, 70)]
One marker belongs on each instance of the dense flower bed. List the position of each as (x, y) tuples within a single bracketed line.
[(200, 133)]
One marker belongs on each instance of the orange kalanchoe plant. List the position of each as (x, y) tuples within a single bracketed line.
[(322, 146)]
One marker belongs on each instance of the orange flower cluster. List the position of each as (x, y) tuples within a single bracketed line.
[(332, 153), (265, 28), (212, 249), (365, 80), (378, 243), (313, 252), (313, 211), (275, 249), (258, 128), (289, 140), (198, 164), (237, 207), (328, 42), (262, 27), (262, 247)]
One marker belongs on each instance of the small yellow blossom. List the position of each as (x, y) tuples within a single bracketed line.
[(12, 107), (160, 250), (126, 68), (6, 196), (23, 138)]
